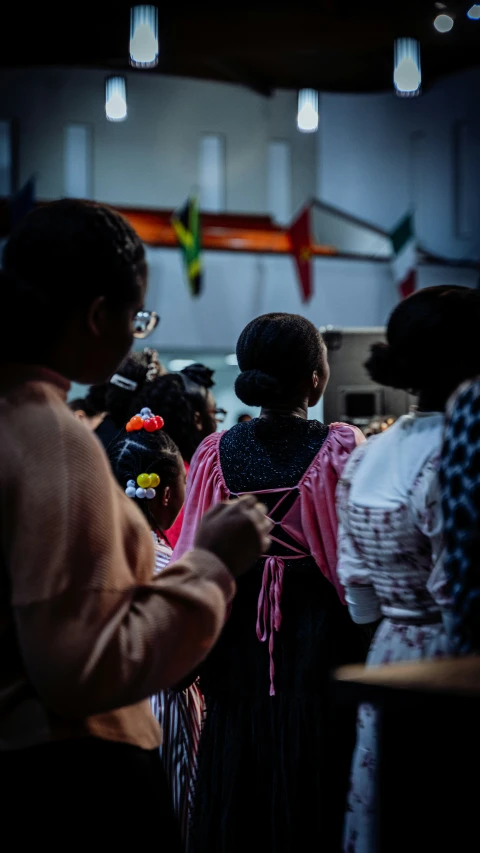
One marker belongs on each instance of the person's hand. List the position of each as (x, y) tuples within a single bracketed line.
[(236, 532)]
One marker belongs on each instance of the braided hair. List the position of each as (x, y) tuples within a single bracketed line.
[(178, 397), (61, 256), (275, 353), (144, 452)]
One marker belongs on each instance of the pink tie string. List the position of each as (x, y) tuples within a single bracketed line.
[(269, 614)]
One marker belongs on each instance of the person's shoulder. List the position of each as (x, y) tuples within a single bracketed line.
[(239, 433), (241, 429), (40, 431), (342, 443), (35, 407), (347, 434), (211, 442), (465, 398), (207, 451)]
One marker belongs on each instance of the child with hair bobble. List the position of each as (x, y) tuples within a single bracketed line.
[(148, 466)]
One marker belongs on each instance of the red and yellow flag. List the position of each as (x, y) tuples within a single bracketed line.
[(301, 248)]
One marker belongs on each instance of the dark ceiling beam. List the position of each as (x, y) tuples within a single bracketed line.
[(329, 45), (237, 74)]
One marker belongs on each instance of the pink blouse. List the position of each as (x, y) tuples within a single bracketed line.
[(311, 521)]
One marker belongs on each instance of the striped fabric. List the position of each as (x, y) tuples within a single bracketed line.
[(163, 555), (180, 716)]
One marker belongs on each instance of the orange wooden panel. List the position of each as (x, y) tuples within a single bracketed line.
[(217, 233), (226, 232)]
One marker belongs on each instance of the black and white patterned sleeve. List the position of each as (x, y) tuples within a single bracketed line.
[(460, 482)]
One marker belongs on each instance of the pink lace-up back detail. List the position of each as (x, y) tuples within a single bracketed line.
[(269, 612), (307, 524)]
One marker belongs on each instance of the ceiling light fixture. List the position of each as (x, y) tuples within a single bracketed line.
[(116, 98), (144, 36), (307, 115), (443, 23), (407, 73), (474, 12)]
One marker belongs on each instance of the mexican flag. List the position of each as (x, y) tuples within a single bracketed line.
[(404, 264)]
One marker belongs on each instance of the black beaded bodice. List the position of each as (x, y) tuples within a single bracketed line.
[(262, 455)]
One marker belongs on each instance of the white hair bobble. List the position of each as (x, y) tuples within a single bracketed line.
[(131, 490)]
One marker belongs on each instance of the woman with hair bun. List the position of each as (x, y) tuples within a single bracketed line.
[(391, 548), (274, 757)]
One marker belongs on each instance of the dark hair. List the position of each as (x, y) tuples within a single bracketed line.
[(138, 367), (177, 397), (97, 396), (144, 452), (93, 404), (275, 353), (83, 405), (200, 375), (432, 342), (62, 255)]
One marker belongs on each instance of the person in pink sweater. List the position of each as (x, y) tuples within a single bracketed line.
[(274, 755), (87, 633)]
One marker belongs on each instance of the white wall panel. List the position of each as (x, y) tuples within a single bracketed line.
[(279, 181), (212, 172), (77, 161)]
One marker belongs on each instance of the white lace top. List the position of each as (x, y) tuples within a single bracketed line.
[(390, 523)]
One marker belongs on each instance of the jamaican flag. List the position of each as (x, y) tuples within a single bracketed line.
[(186, 224)]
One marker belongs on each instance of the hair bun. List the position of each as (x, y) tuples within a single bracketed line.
[(387, 368), (256, 388)]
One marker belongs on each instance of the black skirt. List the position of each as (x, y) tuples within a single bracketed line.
[(273, 771)]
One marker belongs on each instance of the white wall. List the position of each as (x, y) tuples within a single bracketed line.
[(152, 158), (370, 166), (347, 293), (361, 159)]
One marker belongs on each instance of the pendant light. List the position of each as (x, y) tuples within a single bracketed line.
[(116, 98), (407, 74), (307, 115), (144, 36), (443, 23)]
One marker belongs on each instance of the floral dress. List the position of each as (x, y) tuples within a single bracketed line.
[(391, 559)]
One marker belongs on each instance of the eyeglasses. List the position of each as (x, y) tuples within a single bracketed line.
[(220, 415), (144, 324)]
